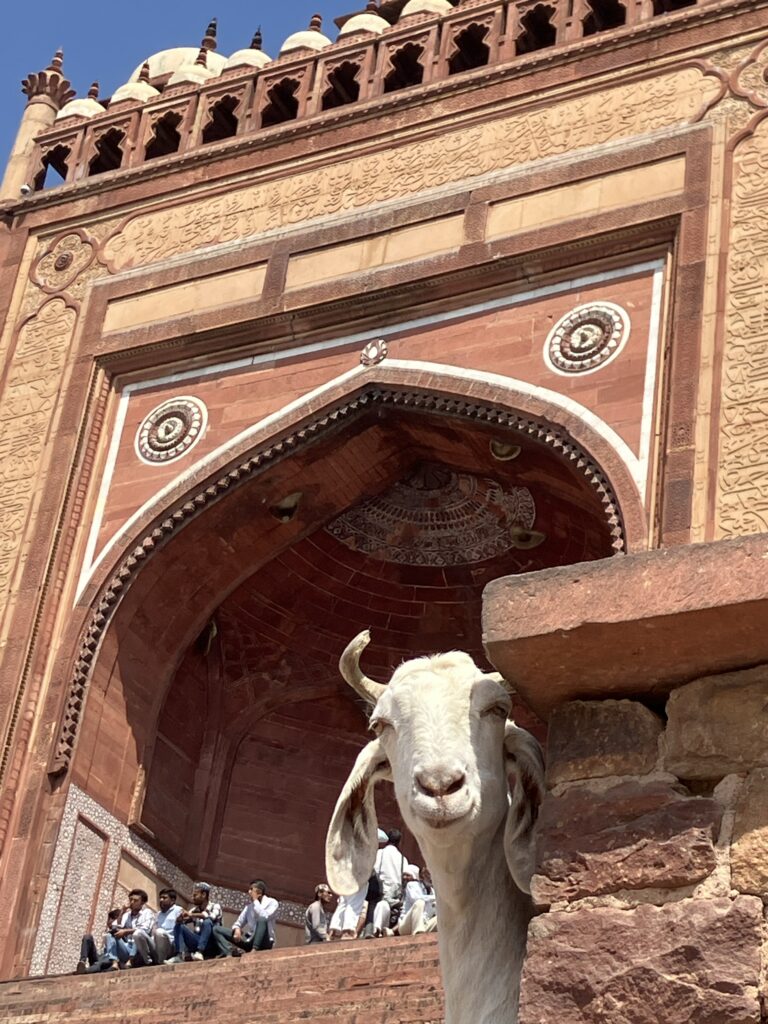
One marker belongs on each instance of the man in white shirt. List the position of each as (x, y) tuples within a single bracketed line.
[(158, 946), (255, 927), (120, 945), (389, 866)]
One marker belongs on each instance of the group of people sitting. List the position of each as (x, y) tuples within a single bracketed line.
[(398, 899), (137, 937)]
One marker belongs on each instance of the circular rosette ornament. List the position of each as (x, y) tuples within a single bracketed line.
[(65, 258), (171, 429), (587, 338)]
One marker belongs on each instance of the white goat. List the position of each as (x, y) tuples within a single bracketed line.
[(468, 783)]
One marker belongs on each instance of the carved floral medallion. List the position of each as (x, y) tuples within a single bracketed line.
[(171, 429), (66, 257), (587, 338)]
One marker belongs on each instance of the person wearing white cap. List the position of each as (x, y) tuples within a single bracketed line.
[(414, 914), (389, 866)]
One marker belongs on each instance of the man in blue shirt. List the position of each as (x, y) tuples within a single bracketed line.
[(254, 929), (157, 947)]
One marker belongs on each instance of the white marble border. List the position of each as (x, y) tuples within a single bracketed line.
[(637, 466), (47, 958)]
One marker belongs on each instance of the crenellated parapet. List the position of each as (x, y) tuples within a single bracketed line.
[(185, 99)]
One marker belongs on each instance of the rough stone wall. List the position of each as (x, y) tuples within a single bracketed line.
[(653, 861)]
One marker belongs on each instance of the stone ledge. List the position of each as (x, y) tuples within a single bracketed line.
[(630, 626)]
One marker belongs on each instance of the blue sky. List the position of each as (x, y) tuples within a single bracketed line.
[(106, 41)]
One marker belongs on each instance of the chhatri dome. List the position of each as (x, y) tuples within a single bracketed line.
[(426, 7), (253, 56), (167, 63), (87, 107), (140, 91), (310, 39), (370, 21)]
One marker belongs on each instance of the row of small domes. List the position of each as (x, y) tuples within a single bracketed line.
[(187, 65)]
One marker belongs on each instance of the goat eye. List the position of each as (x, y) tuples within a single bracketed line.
[(498, 710), (378, 725)]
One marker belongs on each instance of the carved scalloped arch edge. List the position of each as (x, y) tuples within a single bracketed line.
[(272, 453)]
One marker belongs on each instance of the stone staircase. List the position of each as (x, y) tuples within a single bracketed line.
[(389, 981)]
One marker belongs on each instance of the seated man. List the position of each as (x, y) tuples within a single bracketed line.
[(91, 961), (317, 919), (417, 906), (254, 928), (120, 944), (157, 947), (194, 928)]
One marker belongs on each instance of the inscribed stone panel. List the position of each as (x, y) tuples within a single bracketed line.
[(618, 112), (742, 502)]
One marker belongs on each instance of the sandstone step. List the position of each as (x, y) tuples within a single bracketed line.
[(391, 981)]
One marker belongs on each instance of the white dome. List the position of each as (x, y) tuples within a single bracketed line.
[(139, 92), (193, 73), (248, 58), (426, 7), (310, 39), (168, 61), (85, 107), (365, 22)]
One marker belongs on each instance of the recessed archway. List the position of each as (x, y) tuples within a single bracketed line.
[(393, 517)]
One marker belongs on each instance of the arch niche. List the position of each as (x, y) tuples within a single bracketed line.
[(205, 707)]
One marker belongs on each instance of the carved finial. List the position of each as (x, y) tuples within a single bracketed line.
[(209, 39), (49, 85), (316, 23), (202, 57), (144, 73), (257, 40), (93, 92)]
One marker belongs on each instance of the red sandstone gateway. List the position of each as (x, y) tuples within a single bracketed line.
[(449, 324)]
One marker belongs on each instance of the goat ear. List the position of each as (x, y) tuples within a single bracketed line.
[(525, 774), (351, 844)]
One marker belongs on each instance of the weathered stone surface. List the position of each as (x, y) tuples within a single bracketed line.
[(620, 627), (592, 739), (718, 725), (749, 850), (695, 961), (631, 836)]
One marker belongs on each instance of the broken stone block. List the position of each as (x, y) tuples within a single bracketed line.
[(592, 739), (696, 960), (718, 725), (630, 836), (749, 846)]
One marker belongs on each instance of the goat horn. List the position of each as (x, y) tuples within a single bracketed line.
[(349, 666)]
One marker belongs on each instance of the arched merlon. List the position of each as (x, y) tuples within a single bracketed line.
[(630, 627)]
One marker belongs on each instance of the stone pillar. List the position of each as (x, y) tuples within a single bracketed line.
[(652, 867), (47, 91)]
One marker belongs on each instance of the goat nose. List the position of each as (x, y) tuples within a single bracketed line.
[(440, 781)]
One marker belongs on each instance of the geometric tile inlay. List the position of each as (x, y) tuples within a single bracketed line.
[(75, 872)]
